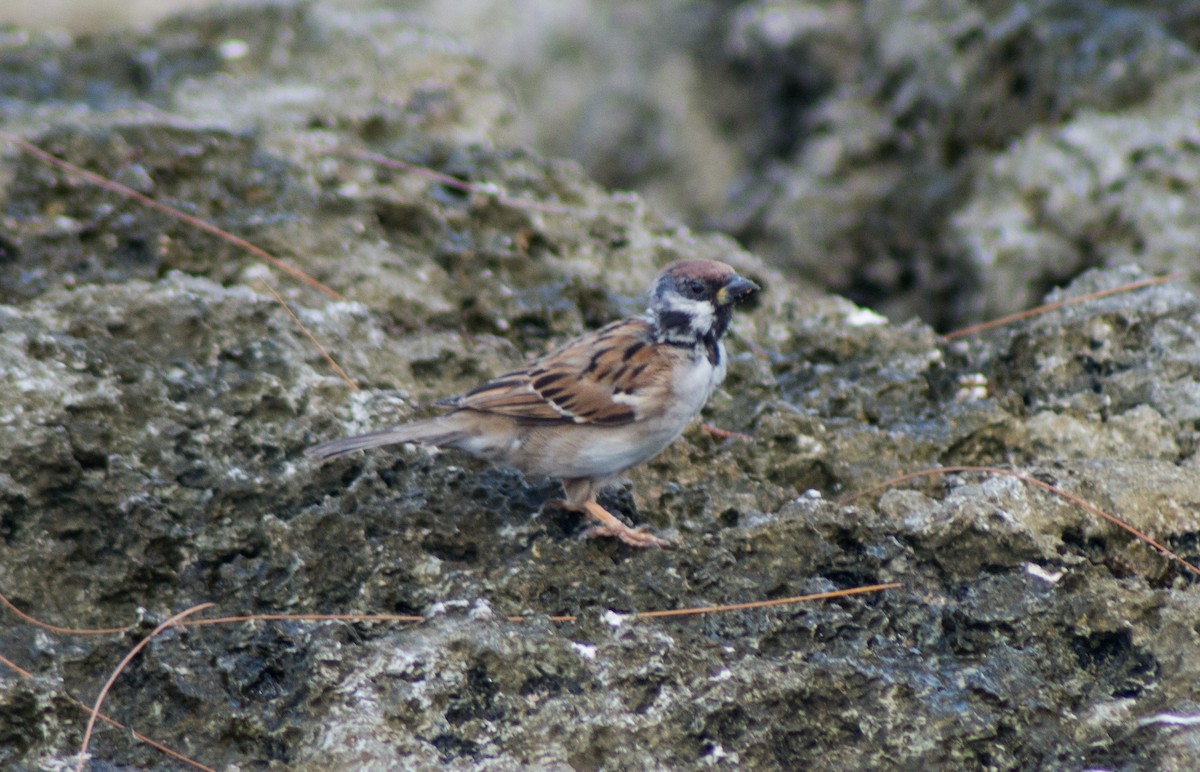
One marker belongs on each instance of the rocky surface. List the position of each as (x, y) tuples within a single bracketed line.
[(948, 159), (155, 400)]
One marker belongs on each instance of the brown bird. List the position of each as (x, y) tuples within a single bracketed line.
[(600, 405)]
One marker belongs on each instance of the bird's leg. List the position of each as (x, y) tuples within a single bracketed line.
[(611, 526), (724, 434), (581, 495)]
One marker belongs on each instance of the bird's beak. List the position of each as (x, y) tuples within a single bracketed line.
[(736, 289)]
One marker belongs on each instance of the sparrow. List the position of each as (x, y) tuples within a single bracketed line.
[(599, 405)]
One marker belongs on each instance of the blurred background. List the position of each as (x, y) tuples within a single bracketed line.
[(948, 159)]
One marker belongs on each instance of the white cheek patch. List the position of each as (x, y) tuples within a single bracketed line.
[(701, 312)]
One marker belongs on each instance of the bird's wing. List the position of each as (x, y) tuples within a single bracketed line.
[(615, 375)]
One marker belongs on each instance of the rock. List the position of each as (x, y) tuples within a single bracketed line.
[(155, 401), (923, 157), (1104, 189)]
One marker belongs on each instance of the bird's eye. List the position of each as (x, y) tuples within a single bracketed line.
[(693, 288)]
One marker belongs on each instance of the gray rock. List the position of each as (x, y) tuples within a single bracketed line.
[(155, 400), (870, 147)]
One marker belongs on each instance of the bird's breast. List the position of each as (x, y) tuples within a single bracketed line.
[(695, 380)]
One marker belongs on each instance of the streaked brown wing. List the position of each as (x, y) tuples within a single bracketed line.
[(611, 376)]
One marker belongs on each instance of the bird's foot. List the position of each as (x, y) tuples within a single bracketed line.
[(634, 537), (611, 526), (724, 434)]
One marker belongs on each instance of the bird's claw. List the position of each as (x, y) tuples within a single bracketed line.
[(634, 537)]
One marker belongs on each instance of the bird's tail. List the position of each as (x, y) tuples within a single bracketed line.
[(440, 432)]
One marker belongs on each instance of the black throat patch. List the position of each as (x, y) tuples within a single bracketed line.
[(675, 328)]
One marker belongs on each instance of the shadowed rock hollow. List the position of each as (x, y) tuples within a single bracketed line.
[(155, 401)]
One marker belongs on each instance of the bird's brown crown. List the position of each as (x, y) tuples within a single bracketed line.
[(707, 271)]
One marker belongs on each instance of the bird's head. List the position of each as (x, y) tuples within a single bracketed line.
[(692, 300)]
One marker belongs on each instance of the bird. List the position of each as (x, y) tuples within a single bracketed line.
[(599, 405)]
